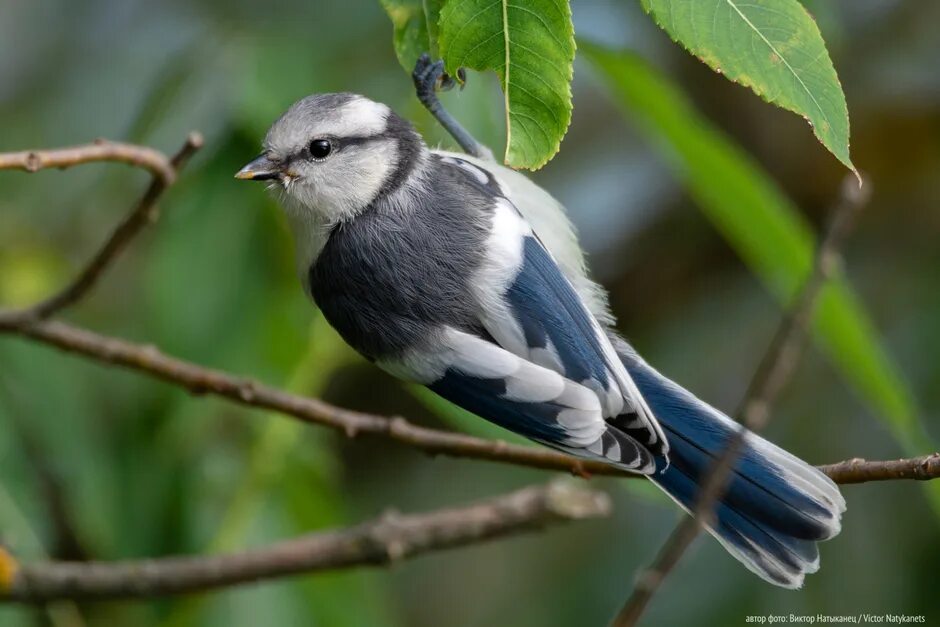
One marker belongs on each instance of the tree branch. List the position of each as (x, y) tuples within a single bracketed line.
[(858, 470), (149, 361), (199, 380), (164, 174), (772, 374), (143, 157), (387, 539), (391, 537)]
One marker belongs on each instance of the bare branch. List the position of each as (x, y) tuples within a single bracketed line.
[(148, 360), (861, 471), (772, 374), (101, 150), (387, 539), (200, 380), (164, 174)]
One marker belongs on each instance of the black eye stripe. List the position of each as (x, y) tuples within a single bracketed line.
[(337, 144), (359, 140)]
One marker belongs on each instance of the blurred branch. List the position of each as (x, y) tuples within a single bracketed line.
[(66, 542), (164, 174), (16, 524), (388, 539), (772, 374)]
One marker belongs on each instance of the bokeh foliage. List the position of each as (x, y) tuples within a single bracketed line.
[(148, 470)]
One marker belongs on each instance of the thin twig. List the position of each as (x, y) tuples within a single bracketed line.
[(772, 374), (148, 360), (390, 538), (861, 471), (145, 211), (143, 157)]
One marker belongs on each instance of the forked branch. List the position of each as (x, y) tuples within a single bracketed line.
[(164, 172)]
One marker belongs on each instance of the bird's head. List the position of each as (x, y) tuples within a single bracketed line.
[(331, 155)]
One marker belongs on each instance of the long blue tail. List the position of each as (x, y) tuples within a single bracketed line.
[(776, 507)]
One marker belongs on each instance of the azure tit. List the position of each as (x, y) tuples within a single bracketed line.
[(463, 275)]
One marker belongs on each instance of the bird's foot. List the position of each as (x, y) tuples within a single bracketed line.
[(429, 78)]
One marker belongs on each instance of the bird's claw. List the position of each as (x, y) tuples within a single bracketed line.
[(429, 77)]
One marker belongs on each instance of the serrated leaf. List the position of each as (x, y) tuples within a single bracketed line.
[(531, 47), (415, 28), (772, 46), (765, 228)]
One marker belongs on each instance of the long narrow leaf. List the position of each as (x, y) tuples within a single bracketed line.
[(764, 227)]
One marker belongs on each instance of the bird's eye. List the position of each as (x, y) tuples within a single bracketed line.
[(320, 148)]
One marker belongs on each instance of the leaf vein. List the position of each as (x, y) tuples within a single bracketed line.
[(783, 59), (540, 19), (470, 20)]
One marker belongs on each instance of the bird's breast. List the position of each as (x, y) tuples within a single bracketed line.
[(387, 280)]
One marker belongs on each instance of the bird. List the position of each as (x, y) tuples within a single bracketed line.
[(461, 274)]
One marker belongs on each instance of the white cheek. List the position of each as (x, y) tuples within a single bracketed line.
[(371, 173), (343, 185), (352, 181)]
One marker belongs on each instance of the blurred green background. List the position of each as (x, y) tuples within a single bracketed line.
[(97, 462)]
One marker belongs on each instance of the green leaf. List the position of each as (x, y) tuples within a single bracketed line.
[(410, 34), (764, 227), (415, 28), (531, 47), (772, 46), (432, 14)]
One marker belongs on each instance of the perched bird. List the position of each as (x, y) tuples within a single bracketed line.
[(465, 276)]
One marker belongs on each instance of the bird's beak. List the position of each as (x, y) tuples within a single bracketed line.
[(261, 169)]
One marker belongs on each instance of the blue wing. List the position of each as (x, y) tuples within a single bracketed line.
[(551, 315), (532, 310), (542, 366), (523, 397)]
